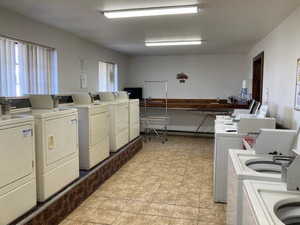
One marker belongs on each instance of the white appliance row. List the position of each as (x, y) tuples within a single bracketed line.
[(43, 148), (264, 162), (39, 155), (274, 203), (229, 135), (123, 117)]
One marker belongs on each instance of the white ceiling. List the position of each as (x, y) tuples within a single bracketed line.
[(229, 26)]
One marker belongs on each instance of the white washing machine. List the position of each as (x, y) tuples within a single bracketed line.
[(57, 147), (134, 119), (223, 142), (269, 203), (230, 136), (93, 129), (118, 117), (17, 167), (246, 165)]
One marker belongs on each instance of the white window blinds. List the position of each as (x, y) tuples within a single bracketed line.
[(41, 79), (7, 67), (26, 69), (108, 76)]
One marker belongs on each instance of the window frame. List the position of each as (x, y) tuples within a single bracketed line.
[(105, 87), (21, 87)]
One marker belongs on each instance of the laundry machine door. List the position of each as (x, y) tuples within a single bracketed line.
[(134, 112), (17, 153), (61, 138), (99, 127), (122, 116)]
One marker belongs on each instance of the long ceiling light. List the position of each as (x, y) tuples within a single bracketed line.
[(173, 43), (158, 11)]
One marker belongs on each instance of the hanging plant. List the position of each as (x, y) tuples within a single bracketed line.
[(182, 77)]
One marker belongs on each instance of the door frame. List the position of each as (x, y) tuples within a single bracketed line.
[(261, 57)]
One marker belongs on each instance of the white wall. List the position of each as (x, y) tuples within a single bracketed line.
[(71, 49), (210, 76), (282, 49)]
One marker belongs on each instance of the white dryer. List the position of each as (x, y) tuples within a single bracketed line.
[(93, 129), (57, 147), (270, 203), (17, 167), (134, 119), (118, 117)]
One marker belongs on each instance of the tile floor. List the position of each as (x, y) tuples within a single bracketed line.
[(164, 184)]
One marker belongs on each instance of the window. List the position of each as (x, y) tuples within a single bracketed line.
[(26, 68), (18, 81), (108, 76)]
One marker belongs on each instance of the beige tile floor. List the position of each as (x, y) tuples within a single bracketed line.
[(164, 184)]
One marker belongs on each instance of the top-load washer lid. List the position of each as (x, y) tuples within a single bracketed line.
[(275, 141)]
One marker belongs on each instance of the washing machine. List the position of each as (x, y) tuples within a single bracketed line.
[(257, 164), (57, 145), (17, 167), (246, 165), (93, 128), (226, 137), (118, 118), (256, 111), (134, 119), (270, 203), (230, 136)]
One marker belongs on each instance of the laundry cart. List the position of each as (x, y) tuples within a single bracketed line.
[(154, 116)]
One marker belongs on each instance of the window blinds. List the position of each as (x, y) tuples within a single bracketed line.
[(7, 67), (26, 69), (108, 77)]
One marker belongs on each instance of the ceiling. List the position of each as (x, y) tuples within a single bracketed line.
[(228, 26)]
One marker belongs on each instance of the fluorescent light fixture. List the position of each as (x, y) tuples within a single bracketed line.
[(173, 43), (158, 11)]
